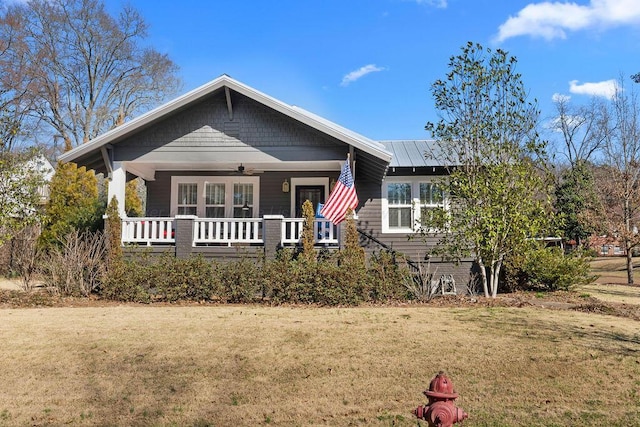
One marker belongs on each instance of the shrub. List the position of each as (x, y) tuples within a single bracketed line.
[(75, 266), (129, 280), (190, 279), (387, 277), (240, 281), (548, 269), (288, 279), (26, 255), (73, 204)]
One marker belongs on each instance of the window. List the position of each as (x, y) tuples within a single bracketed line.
[(400, 209), (215, 196), (431, 199), (187, 198), (408, 203), (242, 200)]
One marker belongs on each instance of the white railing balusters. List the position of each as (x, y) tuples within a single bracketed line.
[(324, 231), (147, 230), (227, 230)]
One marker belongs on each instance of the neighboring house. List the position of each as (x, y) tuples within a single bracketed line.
[(44, 166), (228, 167), (607, 246)]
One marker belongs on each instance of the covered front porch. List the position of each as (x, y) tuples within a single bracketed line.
[(189, 234)]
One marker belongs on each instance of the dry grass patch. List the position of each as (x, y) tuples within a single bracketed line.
[(613, 293), (613, 270), (199, 366)]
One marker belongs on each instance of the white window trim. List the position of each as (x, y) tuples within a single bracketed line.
[(228, 181), (415, 202)]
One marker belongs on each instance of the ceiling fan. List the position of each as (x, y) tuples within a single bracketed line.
[(242, 170)]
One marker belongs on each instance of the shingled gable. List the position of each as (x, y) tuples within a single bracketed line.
[(372, 158)]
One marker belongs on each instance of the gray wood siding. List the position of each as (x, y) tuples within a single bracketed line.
[(204, 132), (272, 200), (370, 221)]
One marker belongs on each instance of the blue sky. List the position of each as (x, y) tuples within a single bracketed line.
[(368, 64)]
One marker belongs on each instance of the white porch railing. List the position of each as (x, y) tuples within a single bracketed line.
[(324, 231), (227, 231), (147, 230), (208, 231)]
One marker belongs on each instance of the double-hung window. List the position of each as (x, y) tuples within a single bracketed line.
[(409, 203), (215, 196), (214, 199), (187, 198)]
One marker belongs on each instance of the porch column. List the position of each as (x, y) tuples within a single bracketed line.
[(117, 185), (184, 235), (272, 234)]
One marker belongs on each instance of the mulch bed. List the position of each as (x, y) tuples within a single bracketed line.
[(560, 300)]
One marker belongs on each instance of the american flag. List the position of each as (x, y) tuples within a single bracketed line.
[(342, 197)]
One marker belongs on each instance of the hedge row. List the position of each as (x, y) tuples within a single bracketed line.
[(332, 279)]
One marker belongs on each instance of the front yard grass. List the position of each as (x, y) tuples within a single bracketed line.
[(289, 366)]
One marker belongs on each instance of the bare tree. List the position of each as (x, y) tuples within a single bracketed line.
[(582, 128), (619, 186), (92, 71), (583, 131), (15, 84)]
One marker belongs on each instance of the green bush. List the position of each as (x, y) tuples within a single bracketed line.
[(548, 269), (288, 280), (387, 274), (130, 280), (340, 278), (240, 281), (189, 279)]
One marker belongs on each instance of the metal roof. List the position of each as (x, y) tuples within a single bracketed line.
[(413, 153)]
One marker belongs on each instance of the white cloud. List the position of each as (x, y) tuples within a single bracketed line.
[(551, 20), (559, 97), (606, 89), (440, 4), (359, 73)]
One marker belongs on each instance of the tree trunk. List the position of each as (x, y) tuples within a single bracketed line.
[(495, 278), (483, 273), (629, 263)]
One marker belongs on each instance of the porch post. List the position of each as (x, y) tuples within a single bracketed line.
[(272, 234), (184, 235), (116, 187)]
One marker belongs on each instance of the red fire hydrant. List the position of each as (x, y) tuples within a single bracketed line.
[(441, 411)]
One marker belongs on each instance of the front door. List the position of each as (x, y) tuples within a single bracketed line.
[(314, 193)]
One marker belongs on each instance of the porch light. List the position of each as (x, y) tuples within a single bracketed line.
[(245, 207), (285, 186)]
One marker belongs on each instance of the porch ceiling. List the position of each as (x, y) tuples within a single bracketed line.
[(146, 170)]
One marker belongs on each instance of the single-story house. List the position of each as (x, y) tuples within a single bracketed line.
[(227, 168)]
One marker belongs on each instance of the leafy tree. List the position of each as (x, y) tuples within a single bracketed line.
[(73, 203), (132, 201), (486, 135), (88, 71), (574, 197), (20, 199), (583, 132)]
